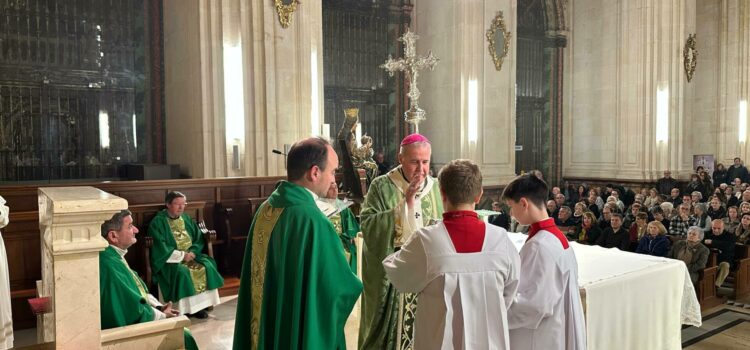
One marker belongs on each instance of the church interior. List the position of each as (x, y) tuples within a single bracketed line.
[(114, 104)]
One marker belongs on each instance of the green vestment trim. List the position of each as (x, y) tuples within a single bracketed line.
[(387, 316), (308, 289)]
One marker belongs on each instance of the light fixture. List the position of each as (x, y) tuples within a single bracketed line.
[(315, 105), (104, 129), (473, 111), (742, 134), (234, 95), (662, 114)]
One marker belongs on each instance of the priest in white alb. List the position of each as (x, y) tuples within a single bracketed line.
[(465, 271)]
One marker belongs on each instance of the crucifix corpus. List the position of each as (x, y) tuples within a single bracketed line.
[(411, 64)]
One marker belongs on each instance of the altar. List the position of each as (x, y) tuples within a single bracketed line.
[(632, 301)]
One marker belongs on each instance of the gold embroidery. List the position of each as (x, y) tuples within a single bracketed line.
[(264, 225), (184, 242)]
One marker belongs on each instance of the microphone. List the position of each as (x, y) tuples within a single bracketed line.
[(278, 152)]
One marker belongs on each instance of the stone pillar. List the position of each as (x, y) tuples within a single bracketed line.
[(455, 31), (619, 55), (281, 77), (70, 220)]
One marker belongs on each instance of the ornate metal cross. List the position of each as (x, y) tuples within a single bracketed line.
[(411, 64)]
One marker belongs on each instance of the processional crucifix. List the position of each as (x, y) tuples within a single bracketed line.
[(411, 64)]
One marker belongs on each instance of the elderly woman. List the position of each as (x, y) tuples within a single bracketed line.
[(654, 242), (588, 231), (701, 218), (692, 252), (668, 209)]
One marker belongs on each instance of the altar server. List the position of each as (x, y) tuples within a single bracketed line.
[(546, 312), (465, 271)]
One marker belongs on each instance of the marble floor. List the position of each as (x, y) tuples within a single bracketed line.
[(724, 327)]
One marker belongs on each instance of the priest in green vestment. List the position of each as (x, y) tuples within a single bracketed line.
[(124, 298), (183, 273), (296, 288), (397, 203), (344, 222)]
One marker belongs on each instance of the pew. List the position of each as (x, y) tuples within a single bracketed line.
[(705, 288), (741, 272)]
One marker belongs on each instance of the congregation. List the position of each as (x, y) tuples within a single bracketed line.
[(680, 221)]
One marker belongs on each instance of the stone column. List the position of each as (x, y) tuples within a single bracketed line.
[(620, 54), (455, 31), (281, 76), (70, 220)]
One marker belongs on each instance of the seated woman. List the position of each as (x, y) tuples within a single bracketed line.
[(732, 220), (655, 242), (638, 229), (652, 199), (744, 208), (742, 232), (701, 218), (692, 252), (588, 231)]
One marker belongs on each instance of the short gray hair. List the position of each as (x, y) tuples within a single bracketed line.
[(697, 230), (115, 223), (697, 193), (701, 206)]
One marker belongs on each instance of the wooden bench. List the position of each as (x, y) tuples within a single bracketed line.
[(741, 272), (705, 288)]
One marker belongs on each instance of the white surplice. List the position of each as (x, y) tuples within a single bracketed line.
[(546, 313), (6, 318), (463, 297)]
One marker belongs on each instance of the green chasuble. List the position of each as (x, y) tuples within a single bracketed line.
[(347, 228), (180, 280), (296, 288), (124, 296), (387, 320)]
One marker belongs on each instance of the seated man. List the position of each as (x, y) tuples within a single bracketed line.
[(123, 295), (564, 217), (615, 236), (502, 219), (466, 272), (184, 274), (724, 241)]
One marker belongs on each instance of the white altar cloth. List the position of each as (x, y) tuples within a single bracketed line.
[(632, 301)]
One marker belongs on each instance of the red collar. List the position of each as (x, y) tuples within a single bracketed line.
[(460, 214), (549, 226)]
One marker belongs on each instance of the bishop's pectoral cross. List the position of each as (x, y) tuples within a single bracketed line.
[(411, 64)]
